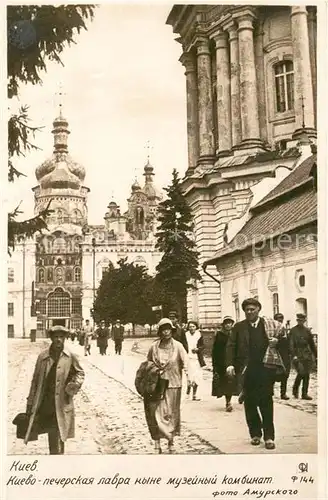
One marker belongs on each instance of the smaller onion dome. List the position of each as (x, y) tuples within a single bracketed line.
[(135, 186)]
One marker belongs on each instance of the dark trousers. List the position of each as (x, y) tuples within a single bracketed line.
[(118, 346), (305, 386), (259, 414), (283, 385), (56, 445), (102, 350)]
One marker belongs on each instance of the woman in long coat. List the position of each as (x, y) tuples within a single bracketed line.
[(222, 385), (163, 414), (57, 377)]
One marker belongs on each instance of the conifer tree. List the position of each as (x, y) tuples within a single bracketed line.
[(178, 269)]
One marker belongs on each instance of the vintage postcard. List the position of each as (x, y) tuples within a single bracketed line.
[(165, 261)]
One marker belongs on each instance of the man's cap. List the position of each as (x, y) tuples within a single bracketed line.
[(278, 315), (58, 328), (300, 316), (118, 321), (164, 321), (251, 302), (226, 319)]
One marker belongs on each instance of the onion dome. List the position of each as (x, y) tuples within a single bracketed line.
[(60, 171), (60, 178), (149, 188), (135, 186)]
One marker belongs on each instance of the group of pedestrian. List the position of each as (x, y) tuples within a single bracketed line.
[(102, 334), (250, 356)]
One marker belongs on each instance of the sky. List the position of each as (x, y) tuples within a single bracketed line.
[(122, 86)]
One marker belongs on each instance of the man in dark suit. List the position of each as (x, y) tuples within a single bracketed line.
[(177, 332), (304, 352), (246, 348), (118, 336)]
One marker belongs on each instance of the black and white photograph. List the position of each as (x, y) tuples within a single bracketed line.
[(162, 249)]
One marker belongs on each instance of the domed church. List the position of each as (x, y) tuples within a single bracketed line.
[(66, 264)]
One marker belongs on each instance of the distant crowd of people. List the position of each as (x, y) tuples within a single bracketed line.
[(102, 335), (248, 358)]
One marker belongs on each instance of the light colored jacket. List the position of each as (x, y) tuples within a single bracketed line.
[(68, 365), (88, 333), (172, 369)]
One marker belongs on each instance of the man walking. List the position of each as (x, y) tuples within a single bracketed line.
[(284, 349), (117, 336), (87, 331), (247, 349), (178, 333), (303, 349), (57, 377), (102, 335)]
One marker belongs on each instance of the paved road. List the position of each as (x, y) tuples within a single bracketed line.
[(110, 417)]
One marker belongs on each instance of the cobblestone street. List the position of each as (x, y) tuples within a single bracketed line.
[(110, 417)]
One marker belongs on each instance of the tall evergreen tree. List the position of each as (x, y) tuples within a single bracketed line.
[(178, 268), (36, 34), (124, 293)]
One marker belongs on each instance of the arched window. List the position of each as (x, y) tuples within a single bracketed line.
[(235, 301), (41, 275), (59, 275), (50, 275), (59, 245), (68, 275), (59, 303), (77, 274), (49, 245), (284, 84), (275, 303)]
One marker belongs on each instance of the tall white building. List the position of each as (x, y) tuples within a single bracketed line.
[(251, 83)]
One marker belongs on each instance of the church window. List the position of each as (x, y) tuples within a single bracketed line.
[(301, 280), (235, 301), (284, 84), (59, 245), (59, 304), (42, 306), (41, 276), (49, 245), (77, 274), (50, 275), (68, 275), (275, 303), (59, 275), (76, 306)]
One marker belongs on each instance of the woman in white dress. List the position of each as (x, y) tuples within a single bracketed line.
[(195, 350)]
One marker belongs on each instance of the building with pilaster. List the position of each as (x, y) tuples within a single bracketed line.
[(251, 97), (53, 278)]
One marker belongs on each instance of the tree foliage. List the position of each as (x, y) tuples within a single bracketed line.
[(36, 34), (178, 269), (125, 293)]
